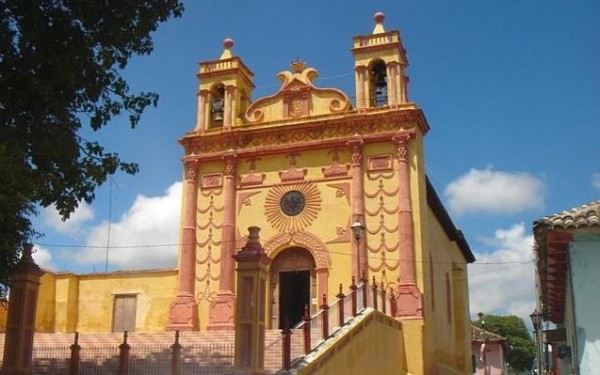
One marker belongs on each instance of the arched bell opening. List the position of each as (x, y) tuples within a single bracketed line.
[(378, 84), (217, 105), (293, 286)]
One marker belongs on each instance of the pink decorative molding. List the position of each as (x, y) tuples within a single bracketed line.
[(292, 174), (252, 178), (244, 199), (183, 313), (343, 234), (212, 180), (408, 297), (335, 169), (342, 190), (359, 258), (308, 241), (221, 312), (284, 223), (380, 162), (294, 97)]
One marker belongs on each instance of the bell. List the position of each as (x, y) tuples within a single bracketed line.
[(217, 109), (218, 116)]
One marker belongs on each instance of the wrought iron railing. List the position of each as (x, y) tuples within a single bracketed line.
[(324, 323)]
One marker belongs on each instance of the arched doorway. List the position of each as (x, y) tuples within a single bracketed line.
[(293, 286)]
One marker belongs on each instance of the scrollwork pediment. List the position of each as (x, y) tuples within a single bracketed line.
[(297, 97)]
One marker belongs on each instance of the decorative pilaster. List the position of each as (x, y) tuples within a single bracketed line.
[(252, 264), (20, 327), (201, 117), (404, 89), (183, 313), (228, 107), (408, 297), (222, 307), (359, 257), (361, 73)]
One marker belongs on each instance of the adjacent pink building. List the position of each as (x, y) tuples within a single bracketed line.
[(488, 352)]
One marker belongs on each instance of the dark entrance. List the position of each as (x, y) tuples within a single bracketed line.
[(294, 295)]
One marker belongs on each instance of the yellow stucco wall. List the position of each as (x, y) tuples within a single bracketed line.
[(374, 346), (3, 317), (46, 305), (446, 339), (84, 303)]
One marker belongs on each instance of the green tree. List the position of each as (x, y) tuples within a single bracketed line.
[(61, 64), (521, 349)]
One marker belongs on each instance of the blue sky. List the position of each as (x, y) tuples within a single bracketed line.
[(510, 89)]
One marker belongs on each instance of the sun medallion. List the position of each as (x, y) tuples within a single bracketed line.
[(293, 206)]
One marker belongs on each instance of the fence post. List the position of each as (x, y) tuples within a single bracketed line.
[(325, 317), (341, 296), (383, 298), (353, 288), (393, 306), (20, 322), (286, 350), (74, 360), (124, 356), (306, 329), (176, 355), (374, 294), (364, 291)]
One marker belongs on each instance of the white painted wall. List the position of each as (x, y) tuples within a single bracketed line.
[(585, 278)]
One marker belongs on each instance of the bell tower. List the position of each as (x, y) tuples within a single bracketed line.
[(224, 91), (380, 62)]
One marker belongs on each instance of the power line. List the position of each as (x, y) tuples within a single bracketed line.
[(372, 256)]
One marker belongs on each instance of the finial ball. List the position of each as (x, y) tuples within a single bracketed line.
[(228, 43), (379, 17)]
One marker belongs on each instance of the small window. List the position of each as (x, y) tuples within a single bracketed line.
[(379, 93)]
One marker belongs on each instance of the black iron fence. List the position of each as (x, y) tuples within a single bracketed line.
[(136, 359)]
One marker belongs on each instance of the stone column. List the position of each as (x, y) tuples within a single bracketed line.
[(392, 73), (201, 118), (222, 307), (359, 256), (408, 297), (252, 264), (183, 313), (20, 327), (228, 107), (361, 72)]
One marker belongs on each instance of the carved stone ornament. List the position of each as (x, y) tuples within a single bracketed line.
[(297, 97), (292, 207)]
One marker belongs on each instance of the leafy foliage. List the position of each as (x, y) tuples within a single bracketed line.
[(60, 65), (521, 349)]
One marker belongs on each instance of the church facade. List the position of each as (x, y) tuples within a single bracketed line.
[(339, 191)]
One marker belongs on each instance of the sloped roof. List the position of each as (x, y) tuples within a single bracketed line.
[(480, 335), (446, 222), (585, 216), (553, 233)]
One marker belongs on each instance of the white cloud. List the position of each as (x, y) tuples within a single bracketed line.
[(502, 282), (596, 180), (494, 192), (146, 236), (72, 226), (43, 258)]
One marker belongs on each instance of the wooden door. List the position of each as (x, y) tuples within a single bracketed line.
[(124, 310)]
